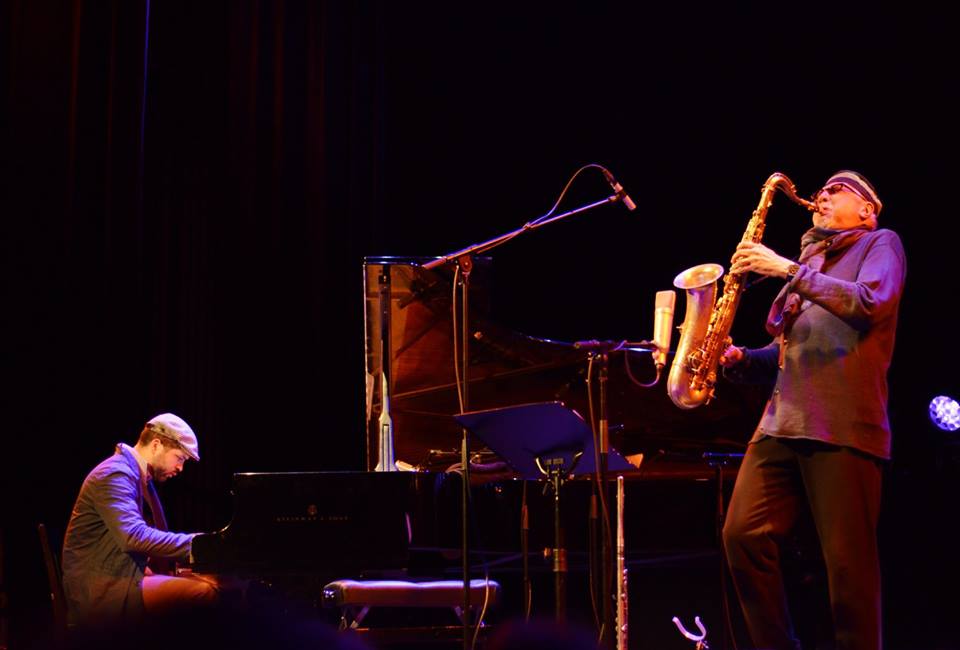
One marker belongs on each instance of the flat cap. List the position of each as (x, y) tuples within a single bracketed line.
[(177, 430)]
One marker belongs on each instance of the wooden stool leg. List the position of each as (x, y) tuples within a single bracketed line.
[(350, 617)]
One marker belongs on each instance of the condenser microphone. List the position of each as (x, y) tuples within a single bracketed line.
[(663, 326), (618, 188)]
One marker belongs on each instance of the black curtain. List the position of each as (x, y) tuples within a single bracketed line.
[(189, 191)]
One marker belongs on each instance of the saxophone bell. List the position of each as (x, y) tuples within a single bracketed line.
[(700, 283), (706, 325), (697, 277)]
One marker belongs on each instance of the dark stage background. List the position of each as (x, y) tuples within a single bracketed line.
[(190, 189)]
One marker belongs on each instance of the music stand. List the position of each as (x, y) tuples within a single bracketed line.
[(520, 434), (544, 439)]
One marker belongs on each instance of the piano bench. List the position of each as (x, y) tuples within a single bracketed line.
[(356, 597)]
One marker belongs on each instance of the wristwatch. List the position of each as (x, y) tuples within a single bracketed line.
[(792, 271)]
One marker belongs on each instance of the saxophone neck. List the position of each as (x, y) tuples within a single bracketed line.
[(782, 182)]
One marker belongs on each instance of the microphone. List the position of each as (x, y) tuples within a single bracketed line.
[(598, 346), (663, 326), (618, 188)]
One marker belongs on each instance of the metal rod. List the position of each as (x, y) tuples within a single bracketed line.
[(622, 594), (466, 265)]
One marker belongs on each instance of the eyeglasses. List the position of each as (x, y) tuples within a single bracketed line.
[(839, 187)]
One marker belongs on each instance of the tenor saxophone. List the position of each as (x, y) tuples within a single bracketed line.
[(705, 332)]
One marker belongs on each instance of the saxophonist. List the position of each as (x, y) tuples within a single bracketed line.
[(824, 435)]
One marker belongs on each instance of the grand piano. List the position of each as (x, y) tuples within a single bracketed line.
[(332, 525)]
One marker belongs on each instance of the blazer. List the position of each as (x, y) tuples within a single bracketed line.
[(107, 544)]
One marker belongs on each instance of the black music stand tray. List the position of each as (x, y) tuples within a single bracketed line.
[(542, 440), (521, 434)]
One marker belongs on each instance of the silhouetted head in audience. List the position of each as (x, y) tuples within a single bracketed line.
[(209, 628)]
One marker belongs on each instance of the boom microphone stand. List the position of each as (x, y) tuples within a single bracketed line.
[(464, 259)]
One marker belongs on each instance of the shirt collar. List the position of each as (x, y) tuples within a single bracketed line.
[(141, 461)]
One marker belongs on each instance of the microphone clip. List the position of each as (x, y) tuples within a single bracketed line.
[(619, 192)]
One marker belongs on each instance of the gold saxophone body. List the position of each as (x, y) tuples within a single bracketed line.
[(705, 332)]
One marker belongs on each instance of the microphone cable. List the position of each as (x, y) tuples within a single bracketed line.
[(564, 192), (606, 533)]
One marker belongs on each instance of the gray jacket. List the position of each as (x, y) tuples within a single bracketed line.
[(108, 542)]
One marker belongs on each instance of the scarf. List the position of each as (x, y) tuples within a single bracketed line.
[(816, 246)]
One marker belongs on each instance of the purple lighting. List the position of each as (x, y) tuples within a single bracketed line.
[(945, 413)]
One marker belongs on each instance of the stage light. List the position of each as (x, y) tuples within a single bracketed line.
[(945, 413)]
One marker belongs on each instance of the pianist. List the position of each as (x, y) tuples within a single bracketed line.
[(117, 527)]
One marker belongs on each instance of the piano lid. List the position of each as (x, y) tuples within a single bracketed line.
[(409, 309)]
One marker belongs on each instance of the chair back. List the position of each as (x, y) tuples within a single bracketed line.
[(55, 580)]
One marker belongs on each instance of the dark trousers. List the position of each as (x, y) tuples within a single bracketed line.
[(842, 488)]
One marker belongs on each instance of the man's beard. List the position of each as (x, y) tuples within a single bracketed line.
[(157, 475)]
